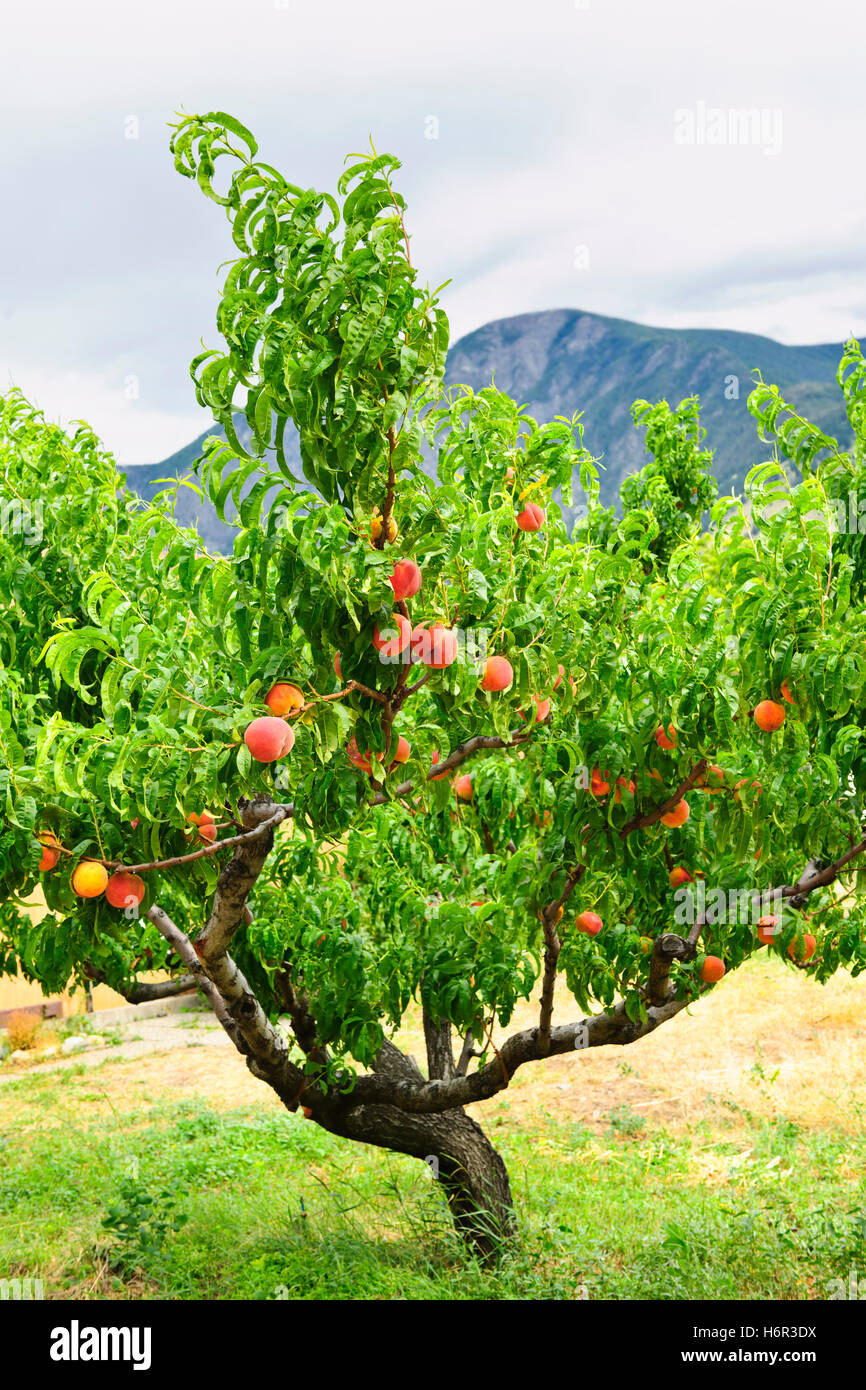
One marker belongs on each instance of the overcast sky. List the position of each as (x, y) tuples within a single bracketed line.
[(572, 167)]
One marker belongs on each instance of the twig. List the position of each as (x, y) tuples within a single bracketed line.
[(551, 957), (281, 813), (639, 822)]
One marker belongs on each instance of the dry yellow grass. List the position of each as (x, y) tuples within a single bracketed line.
[(22, 1031), (765, 1017)]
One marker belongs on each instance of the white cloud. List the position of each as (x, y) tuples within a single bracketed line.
[(556, 129), (132, 432)]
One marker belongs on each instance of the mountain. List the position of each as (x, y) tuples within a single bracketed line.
[(562, 360)]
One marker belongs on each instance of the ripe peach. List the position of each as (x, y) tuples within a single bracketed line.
[(542, 710), (337, 672), (599, 785), (435, 646), (712, 780), (406, 579), (206, 827), (376, 528), (362, 760), (531, 519), (769, 716), (678, 876), (395, 640), (89, 879), (123, 889), (463, 787), (786, 693), (678, 816), (403, 750), (589, 922), (353, 753), (802, 950), (269, 738), (440, 776), (283, 699), (767, 929), (498, 674), (742, 782), (668, 740), (712, 970), (620, 783), (50, 851)]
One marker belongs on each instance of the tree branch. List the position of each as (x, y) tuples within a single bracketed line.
[(458, 756), (473, 745), (669, 947), (599, 1030), (440, 1057), (262, 1046), (184, 948), (666, 949), (551, 957), (815, 877), (410, 689), (467, 1051), (297, 1007), (279, 814), (391, 1062), (486, 836), (640, 822), (388, 506), (265, 1048), (141, 992), (433, 1097), (238, 878)]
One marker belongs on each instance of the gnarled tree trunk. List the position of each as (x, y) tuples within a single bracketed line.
[(473, 1175)]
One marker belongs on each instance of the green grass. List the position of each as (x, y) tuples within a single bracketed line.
[(737, 1207)]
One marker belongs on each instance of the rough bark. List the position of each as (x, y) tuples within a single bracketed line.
[(440, 1056), (143, 992), (473, 1175), (260, 1044), (436, 1097)]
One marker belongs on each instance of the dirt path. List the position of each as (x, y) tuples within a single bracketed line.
[(166, 1033)]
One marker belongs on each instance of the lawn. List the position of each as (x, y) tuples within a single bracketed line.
[(723, 1157)]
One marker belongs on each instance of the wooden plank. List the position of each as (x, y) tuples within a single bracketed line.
[(52, 1008)]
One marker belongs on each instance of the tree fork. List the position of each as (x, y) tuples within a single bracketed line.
[(472, 1173)]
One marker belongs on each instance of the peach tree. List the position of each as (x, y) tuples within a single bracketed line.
[(412, 745)]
